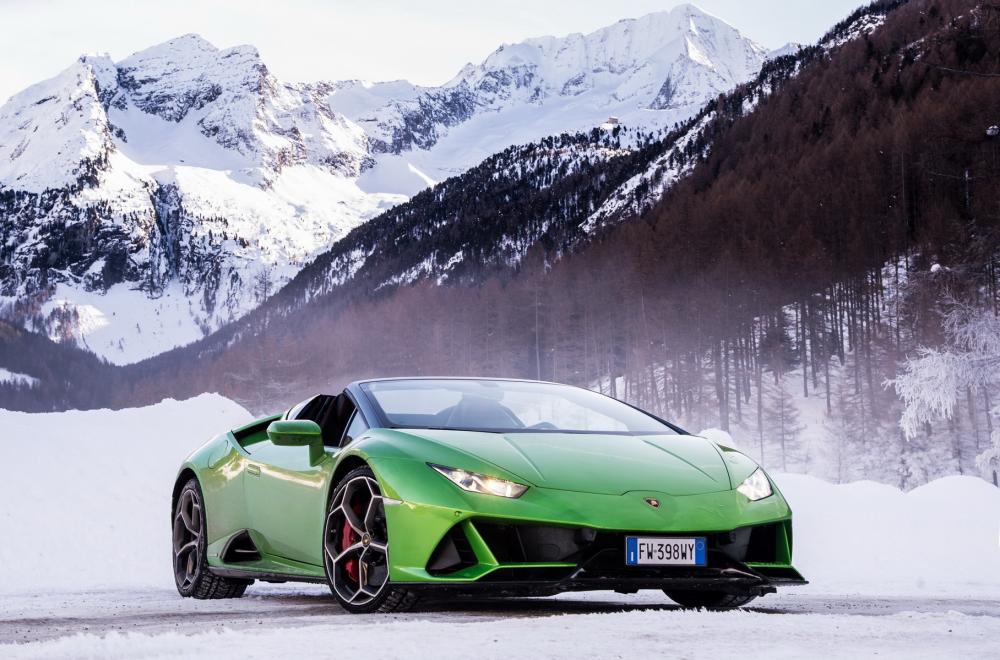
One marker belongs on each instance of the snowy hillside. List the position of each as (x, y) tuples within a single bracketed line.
[(649, 72), (150, 201)]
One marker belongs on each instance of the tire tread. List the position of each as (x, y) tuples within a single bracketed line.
[(713, 600)]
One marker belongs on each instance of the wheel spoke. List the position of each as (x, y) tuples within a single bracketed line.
[(187, 547), (195, 518), (373, 508), (345, 552), (352, 520), (186, 510)]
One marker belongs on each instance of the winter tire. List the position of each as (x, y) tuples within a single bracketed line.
[(356, 548), (191, 573)]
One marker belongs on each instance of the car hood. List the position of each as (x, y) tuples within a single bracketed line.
[(596, 463)]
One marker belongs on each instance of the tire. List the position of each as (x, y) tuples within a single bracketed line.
[(356, 548), (190, 563), (714, 600)]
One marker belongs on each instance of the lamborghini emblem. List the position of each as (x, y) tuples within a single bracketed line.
[(653, 502)]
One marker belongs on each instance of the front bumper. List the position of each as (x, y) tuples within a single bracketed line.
[(752, 561), (549, 541)]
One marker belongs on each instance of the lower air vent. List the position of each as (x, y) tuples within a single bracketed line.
[(240, 548), (763, 545), (452, 554)]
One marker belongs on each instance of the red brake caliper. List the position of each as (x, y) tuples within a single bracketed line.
[(347, 539)]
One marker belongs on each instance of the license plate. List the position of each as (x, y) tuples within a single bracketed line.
[(643, 551)]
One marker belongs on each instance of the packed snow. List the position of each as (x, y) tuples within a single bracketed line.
[(647, 633), (89, 492)]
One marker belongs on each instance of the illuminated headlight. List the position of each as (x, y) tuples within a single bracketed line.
[(481, 483), (756, 487)]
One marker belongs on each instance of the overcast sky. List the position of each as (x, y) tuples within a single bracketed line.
[(425, 41)]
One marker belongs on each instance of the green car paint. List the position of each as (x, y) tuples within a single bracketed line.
[(277, 487)]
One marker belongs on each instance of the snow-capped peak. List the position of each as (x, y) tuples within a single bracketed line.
[(651, 47), (53, 130), (650, 71), (791, 48), (150, 196)]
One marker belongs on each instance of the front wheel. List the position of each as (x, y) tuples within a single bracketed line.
[(191, 572), (715, 600), (356, 548)]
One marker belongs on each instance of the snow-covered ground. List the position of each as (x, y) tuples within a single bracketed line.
[(300, 625), (85, 549)]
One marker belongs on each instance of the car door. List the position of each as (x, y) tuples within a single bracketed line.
[(286, 493)]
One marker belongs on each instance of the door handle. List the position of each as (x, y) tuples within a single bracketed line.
[(253, 469)]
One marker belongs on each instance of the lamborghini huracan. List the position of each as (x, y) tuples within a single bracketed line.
[(397, 489)]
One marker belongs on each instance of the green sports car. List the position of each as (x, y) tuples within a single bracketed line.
[(397, 488)]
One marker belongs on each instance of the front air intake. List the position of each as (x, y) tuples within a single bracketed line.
[(452, 554), (515, 543)]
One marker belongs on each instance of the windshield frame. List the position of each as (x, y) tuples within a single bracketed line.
[(384, 422)]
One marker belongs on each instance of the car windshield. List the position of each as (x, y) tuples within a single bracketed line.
[(505, 406)]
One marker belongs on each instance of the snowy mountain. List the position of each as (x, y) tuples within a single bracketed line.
[(649, 72), (791, 48), (147, 202)]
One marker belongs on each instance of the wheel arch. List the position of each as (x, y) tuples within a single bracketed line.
[(347, 464), (185, 475)]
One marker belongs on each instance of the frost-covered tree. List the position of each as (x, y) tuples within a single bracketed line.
[(933, 383)]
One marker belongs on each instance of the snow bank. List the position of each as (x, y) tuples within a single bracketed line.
[(86, 495), (86, 500), (941, 538)]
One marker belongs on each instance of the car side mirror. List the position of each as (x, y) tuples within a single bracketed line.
[(298, 433)]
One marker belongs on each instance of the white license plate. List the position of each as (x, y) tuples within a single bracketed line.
[(642, 551)]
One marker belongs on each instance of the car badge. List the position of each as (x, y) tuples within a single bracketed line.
[(653, 502)]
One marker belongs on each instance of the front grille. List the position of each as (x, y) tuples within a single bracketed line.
[(516, 544), (597, 552)]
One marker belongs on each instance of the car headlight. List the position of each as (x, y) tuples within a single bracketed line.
[(481, 483), (756, 487)]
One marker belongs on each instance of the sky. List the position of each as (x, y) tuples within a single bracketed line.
[(426, 42)]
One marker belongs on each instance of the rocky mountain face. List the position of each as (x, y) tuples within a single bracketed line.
[(147, 202)]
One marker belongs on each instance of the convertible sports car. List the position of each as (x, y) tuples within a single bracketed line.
[(445, 486)]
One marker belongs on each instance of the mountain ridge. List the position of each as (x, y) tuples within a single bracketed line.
[(150, 201)]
